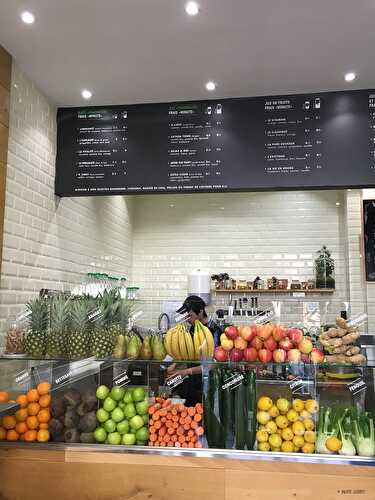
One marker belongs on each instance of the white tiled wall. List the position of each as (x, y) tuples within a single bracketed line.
[(50, 242), (244, 234)]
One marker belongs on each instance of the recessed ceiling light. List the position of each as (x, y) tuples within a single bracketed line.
[(210, 86), (349, 77), (86, 94), (27, 17), (192, 8), (338, 203)]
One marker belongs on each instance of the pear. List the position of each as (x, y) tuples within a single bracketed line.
[(158, 349), (134, 347), (119, 351), (146, 352)]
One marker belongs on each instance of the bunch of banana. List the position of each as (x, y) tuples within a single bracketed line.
[(203, 341), (179, 344)]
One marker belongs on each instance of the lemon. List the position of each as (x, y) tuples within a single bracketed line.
[(309, 424), (308, 448), (263, 417), (295, 449), (298, 405), (265, 403), (271, 427), (261, 427), (298, 428), (304, 414), (264, 446), (298, 441), (287, 447), (310, 436), (275, 449), (274, 411), (333, 444), (287, 434), (279, 431), (262, 436), (283, 405), (311, 405), (275, 440), (282, 422), (292, 415)]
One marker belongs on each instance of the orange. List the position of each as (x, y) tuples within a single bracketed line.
[(12, 435), (30, 436), (33, 408), (22, 400), (43, 436), (3, 433), (44, 388), (45, 400), (9, 422), (43, 426), (21, 415), (32, 422), (32, 395), (21, 427), (44, 416), (4, 396)]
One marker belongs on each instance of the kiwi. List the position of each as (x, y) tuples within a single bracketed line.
[(72, 436), (57, 407), (55, 427), (87, 437), (71, 418), (72, 397), (87, 423)]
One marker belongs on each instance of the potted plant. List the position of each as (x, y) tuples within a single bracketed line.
[(324, 269)]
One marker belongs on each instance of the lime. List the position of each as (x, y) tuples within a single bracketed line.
[(117, 415), (110, 425), (100, 435), (138, 394), (114, 438), (123, 427), (142, 408), (109, 404), (117, 393), (129, 410), (128, 439), (102, 392), (102, 415)]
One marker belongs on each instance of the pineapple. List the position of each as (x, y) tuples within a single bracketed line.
[(59, 319), (106, 331), (79, 333), (35, 342)]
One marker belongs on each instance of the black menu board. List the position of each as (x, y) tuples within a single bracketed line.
[(324, 140), (369, 238)]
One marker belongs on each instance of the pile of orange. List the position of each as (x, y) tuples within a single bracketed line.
[(30, 422)]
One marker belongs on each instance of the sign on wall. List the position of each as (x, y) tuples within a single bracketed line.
[(324, 140), (369, 238)]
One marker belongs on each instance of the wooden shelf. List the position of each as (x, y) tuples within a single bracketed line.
[(311, 291)]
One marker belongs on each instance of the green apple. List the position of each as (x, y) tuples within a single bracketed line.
[(130, 410), (128, 398), (146, 419), (142, 408), (121, 405), (142, 434), (110, 425), (138, 394), (128, 439), (123, 427), (117, 415), (114, 438), (117, 393), (102, 415), (109, 404), (136, 422), (141, 443), (100, 435), (102, 392)]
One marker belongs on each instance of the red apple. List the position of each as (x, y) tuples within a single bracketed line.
[(270, 344), (250, 354), (294, 356), (240, 343), (264, 355), (295, 335), (236, 355), (305, 346), (231, 332), (247, 333), (220, 354), (264, 331), (286, 344), (227, 344), (257, 343), (279, 355), (317, 355), (279, 332), (305, 358)]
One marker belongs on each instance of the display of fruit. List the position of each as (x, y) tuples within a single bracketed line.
[(286, 426), (123, 416), (59, 327), (175, 425), (105, 330), (181, 345), (35, 339), (31, 421), (339, 344), (266, 343)]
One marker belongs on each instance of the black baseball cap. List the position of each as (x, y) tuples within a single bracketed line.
[(192, 303)]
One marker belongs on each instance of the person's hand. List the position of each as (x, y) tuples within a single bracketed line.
[(172, 372)]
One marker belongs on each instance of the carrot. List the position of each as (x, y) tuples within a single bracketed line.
[(180, 407), (166, 402), (152, 429), (153, 437), (162, 443), (198, 417), (174, 438), (180, 431), (191, 445), (199, 431), (184, 445), (199, 408), (177, 444), (182, 421), (166, 438), (163, 420), (191, 411), (190, 433), (156, 415), (194, 424), (169, 416), (163, 413), (174, 411), (162, 431), (156, 443), (151, 410), (168, 423), (188, 420), (157, 424), (170, 430), (186, 427), (175, 425), (170, 444), (175, 418), (183, 414), (181, 439), (193, 439), (198, 445)]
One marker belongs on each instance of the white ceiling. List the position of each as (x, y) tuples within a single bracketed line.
[(130, 51)]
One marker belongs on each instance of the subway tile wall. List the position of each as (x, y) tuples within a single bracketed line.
[(51, 242)]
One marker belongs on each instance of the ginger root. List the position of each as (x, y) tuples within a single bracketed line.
[(350, 338)]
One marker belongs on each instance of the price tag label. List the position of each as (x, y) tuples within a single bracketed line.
[(175, 381), (121, 379), (357, 386), (233, 381), (296, 385), (22, 377)]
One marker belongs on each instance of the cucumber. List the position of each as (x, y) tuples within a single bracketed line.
[(240, 416), (228, 405), (250, 406)]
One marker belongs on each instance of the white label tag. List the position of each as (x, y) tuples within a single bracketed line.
[(357, 320), (121, 379), (358, 385)]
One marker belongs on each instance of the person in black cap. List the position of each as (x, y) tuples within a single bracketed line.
[(191, 388)]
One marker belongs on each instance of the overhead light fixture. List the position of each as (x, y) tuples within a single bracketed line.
[(27, 17), (192, 8), (210, 86), (349, 77), (86, 94)]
